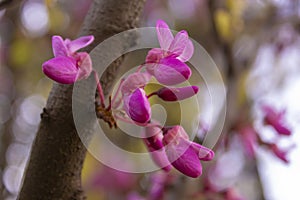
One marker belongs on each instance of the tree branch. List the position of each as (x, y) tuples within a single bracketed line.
[(55, 164), (8, 3)]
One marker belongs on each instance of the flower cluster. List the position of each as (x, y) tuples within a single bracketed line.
[(251, 139), (168, 146)]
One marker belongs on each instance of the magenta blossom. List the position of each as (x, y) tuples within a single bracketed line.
[(166, 64), (279, 153), (175, 94), (155, 147), (134, 81), (68, 66), (275, 119), (249, 139), (110, 179), (136, 104), (158, 183), (185, 155)]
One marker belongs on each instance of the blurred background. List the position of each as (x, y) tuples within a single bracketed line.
[(255, 44)]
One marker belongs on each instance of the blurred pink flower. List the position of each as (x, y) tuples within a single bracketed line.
[(249, 139), (279, 153), (158, 182), (166, 64), (275, 119), (68, 66), (134, 81), (113, 180), (183, 154)]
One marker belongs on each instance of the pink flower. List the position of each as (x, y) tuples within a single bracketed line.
[(155, 147), (249, 139), (166, 64), (134, 81), (281, 154), (110, 179), (68, 66), (275, 119), (158, 183), (175, 94), (136, 104), (185, 155)]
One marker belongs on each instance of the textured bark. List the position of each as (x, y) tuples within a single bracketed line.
[(55, 164)]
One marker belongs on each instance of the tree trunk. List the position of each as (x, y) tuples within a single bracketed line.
[(57, 156)]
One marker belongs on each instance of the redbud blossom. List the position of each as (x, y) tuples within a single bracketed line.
[(275, 119), (68, 66), (166, 64), (249, 139), (155, 147), (111, 179), (281, 154), (183, 154), (158, 182), (134, 81), (137, 106), (175, 94)]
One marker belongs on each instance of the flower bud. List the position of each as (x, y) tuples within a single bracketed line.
[(137, 106), (175, 94)]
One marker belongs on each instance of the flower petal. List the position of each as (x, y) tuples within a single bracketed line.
[(275, 119), (281, 128), (187, 52), (249, 139), (61, 69), (164, 34), (153, 137), (134, 81), (80, 43), (155, 147), (179, 43), (171, 71), (84, 65), (137, 106), (184, 158), (172, 133), (160, 158), (154, 55), (279, 153), (175, 94), (204, 153), (59, 47)]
